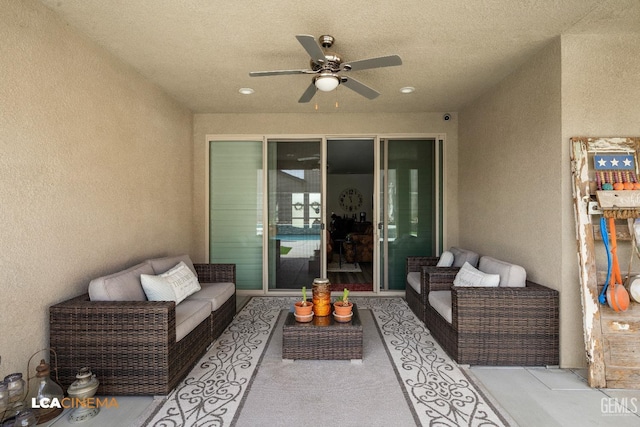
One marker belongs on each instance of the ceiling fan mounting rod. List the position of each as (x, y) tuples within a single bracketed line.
[(326, 41)]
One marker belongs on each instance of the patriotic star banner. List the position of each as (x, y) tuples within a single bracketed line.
[(614, 162)]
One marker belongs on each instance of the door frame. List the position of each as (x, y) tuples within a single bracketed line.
[(377, 138)]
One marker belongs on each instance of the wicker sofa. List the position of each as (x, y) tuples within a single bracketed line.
[(142, 347), (499, 326)]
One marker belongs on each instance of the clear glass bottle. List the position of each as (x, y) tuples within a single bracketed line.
[(4, 398), (25, 418), (46, 391), (15, 386)]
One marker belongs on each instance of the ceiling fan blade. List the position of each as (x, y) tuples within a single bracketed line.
[(360, 88), (312, 47), (364, 64), (279, 73), (308, 94)]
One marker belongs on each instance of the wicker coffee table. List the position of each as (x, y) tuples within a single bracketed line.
[(322, 339)]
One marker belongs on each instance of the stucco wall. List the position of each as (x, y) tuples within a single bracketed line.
[(510, 150), (515, 179), (320, 124), (95, 172), (600, 92)]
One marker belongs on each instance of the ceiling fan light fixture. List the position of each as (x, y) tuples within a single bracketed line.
[(246, 90), (326, 82), (408, 89)]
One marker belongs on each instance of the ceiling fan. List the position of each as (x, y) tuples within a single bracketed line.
[(328, 68)]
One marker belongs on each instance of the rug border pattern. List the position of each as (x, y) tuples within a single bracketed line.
[(438, 392)]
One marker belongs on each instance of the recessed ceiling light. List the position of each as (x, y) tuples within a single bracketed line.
[(246, 90), (407, 89)]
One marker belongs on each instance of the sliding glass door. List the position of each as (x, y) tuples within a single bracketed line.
[(235, 209), (351, 209), (410, 205), (350, 213), (295, 212)]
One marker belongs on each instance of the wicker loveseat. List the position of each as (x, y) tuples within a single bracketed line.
[(508, 326), (132, 346)]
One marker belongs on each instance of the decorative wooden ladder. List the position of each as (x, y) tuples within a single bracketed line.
[(612, 339)]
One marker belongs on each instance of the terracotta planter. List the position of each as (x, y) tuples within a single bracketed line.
[(303, 310), (342, 310)]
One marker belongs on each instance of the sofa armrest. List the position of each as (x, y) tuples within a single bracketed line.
[(477, 310), (118, 340), (112, 320), (415, 263), (215, 273), (437, 278)]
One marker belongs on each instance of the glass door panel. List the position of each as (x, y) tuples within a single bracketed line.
[(409, 203), (295, 213), (235, 209), (350, 195)]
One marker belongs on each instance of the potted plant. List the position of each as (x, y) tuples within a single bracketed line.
[(343, 306), (303, 308)]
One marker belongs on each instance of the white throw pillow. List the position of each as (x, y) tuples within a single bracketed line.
[(446, 259), (471, 276), (173, 285)]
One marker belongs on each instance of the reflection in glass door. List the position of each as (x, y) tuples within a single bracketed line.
[(295, 213), (235, 211), (410, 205)]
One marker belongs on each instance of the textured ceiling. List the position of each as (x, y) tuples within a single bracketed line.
[(201, 51)]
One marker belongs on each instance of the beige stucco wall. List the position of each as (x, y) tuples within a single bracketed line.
[(95, 172), (600, 92), (320, 124), (515, 180), (510, 151)]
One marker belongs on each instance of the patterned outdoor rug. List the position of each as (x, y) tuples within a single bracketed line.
[(438, 392)]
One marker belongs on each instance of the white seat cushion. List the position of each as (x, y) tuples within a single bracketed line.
[(216, 293), (413, 279), (441, 302), (190, 314), (460, 256), (121, 286), (511, 275)]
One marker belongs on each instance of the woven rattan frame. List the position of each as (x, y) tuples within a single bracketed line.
[(414, 299), (322, 342), (131, 345), (501, 326)]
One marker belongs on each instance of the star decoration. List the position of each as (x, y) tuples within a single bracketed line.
[(614, 162)]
